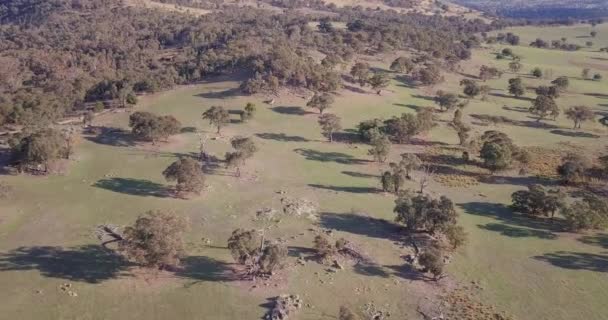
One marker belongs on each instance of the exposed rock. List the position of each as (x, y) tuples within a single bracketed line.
[(284, 307)]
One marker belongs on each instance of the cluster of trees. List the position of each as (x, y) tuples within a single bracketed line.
[(380, 133), (588, 212), (32, 150), (156, 240), (119, 51), (472, 89), (555, 44), (399, 129)]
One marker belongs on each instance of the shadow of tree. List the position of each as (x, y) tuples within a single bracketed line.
[(346, 137), (506, 96), (113, 137), (406, 81), (360, 175), (408, 272), (87, 263), (522, 123), (362, 225), (575, 134), (136, 187), (516, 232), (411, 106), (205, 269), (600, 240), (345, 188), (232, 92), (370, 269), (516, 109), (353, 89), (576, 260), (297, 111), (281, 137), (428, 98), (321, 156), (597, 95), (513, 225), (188, 130)]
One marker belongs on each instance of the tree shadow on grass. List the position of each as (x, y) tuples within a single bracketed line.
[(370, 269), (600, 240), (136, 187), (88, 263), (522, 123), (294, 111), (575, 134), (516, 232), (597, 95), (411, 106), (408, 272), (427, 98), (321, 156), (205, 269), (346, 188), (506, 96), (113, 137), (517, 109), (512, 224), (362, 225), (281, 137), (232, 92), (360, 175), (576, 260)]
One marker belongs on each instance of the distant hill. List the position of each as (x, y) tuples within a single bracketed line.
[(541, 9)]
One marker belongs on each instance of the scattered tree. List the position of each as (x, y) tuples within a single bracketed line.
[(217, 116), (424, 213), (38, 148), (573, 168), (150, 127), (537, 73), (321, 101), (360, 71), (445, 100), (187, 173), (580, 114), (329, 123), (402, 64), (248, 112), (589, 213), (155, 240), (561, 83), (516, 87), (381, 147), (432, 261), (378, 81), (544, 106), (536, 201), (515, 66), (245, 149)]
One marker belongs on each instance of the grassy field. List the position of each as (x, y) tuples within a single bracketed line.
[(525, 267)]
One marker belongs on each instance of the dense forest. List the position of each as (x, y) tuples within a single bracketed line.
[(62, 56)]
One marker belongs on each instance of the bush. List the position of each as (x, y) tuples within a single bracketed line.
[(432, 261)]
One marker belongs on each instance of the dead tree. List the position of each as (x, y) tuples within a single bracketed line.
[(425, 178)]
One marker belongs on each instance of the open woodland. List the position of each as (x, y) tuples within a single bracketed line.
[(264, 106)]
